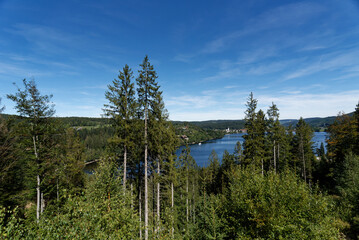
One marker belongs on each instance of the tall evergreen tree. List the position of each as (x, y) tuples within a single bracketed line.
[(260, 140), (122, 110), (255, 123), (187, 166), (250, 147), (162, 143), (304, 149), (278, 144), (147, 92), (37, 111), (238, 153)]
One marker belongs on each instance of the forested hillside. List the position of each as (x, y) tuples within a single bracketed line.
[(271, 187), (219, 124)]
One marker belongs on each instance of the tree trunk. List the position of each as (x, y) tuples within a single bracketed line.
[(131, 195), (38, 190), (172, 205), (187, 213), (153, 204), (278, 154), (303, 158), (57, 190), (42, 203), (140, 209), (38, 195), (262, 168), (124, 169), (158, 192), (194, 203), (274, 157), (146, 190)]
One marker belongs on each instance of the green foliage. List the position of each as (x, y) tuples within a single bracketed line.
[(277, 206), (11, 225), (102, 212), (343, 133), (194, 133), (216, 124), (210, 223), (303, 149), (122, 105), (11, 166), (254, 145), (258, 193), (83, 121), (348, 187)]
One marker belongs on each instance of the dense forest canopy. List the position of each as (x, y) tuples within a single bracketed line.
[(272, 186)]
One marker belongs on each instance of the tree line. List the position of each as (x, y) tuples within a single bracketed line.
[(273, 186)]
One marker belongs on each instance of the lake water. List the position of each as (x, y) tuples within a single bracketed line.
[(201, 152)]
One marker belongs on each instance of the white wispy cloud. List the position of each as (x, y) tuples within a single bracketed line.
[(45, 39), (283, 16), (292, 105), (295, 105), (329, 62), (17, 70), (196, 102)]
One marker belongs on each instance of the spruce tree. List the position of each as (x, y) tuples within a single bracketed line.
[(304, 149), (147, 91), (122, 110), (250, 148), (276, 139), (187, 167), (260, 140), (36, 109), (162, 144), (238, 153)]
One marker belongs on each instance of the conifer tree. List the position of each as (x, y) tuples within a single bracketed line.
[(250, 148), (187, 166), (122, 110), (213, 173), (70, 169), (238, 153), (36, 110), (260, 139), (147, 91), (304, 150), (277, 139), (162, 143)]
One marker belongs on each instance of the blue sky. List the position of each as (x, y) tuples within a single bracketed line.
[(209, 55)]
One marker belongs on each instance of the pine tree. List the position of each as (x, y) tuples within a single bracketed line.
[(187, 164), (260, 139), (122, 110), (304, 149), (238, 153), (69, 171), (214, 181), (277, 139), (250, 148), (162, 144), (37, 110), (147, 91)]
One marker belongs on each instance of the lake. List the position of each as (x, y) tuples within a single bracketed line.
[(201, 152)]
